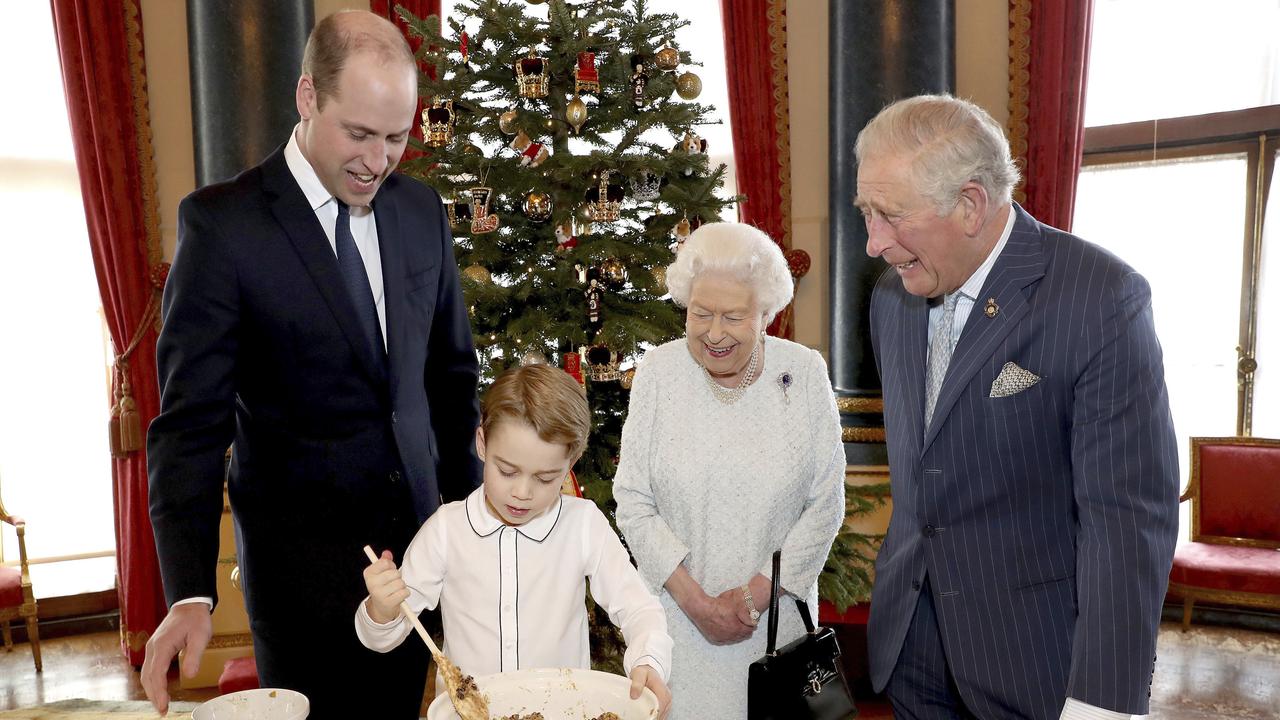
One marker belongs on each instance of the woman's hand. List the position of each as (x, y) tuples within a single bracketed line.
[(716, 618), (386, 590)]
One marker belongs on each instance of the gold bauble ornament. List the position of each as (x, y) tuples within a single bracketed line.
[(613, 271), (507, 122), (660, 277), (628, 377), (538, 206), (533, 357), (688, 85), (575, 113), (585, 214), (478, 274), (667, 59)]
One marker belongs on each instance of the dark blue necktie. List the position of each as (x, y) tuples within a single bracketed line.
[(356, 279)]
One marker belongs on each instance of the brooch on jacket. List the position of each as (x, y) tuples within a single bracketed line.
[(784, 382)]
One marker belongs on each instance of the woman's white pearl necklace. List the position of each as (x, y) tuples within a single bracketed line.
[(729, 396)]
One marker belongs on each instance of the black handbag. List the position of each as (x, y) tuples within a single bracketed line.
[(802, 680)]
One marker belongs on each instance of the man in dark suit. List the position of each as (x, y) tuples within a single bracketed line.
[(313, 321), (1031, 450)]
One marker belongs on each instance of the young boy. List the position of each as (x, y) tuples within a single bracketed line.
[(508, 564)]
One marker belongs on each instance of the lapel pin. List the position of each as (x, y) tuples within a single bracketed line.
[(992, 308)]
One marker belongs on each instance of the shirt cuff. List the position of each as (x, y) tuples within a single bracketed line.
[(1076, 710), (193, 600)]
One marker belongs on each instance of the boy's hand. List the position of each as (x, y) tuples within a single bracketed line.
[(644, 676), (386, 589)]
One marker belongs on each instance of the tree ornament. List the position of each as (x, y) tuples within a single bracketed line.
[(565, 239), (572, 362), (531, 153), (532, 77), (535, 2), (477, 274), (595, 304), (533, 357), (646, 186), (613, 272), (481, 220), (602, 364), (507, 122), (538, 206), (437, 123), (668, 58), (585, 76), (639, 79), (605, 199), (458, 212), (575, 113), (660, 277), (584, 216), (464, 41), (688, 85), (798, 261), (681, 232), (470, 149), (628, 378), (691, 144)]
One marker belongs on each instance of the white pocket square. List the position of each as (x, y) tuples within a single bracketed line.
[(1013, 380)]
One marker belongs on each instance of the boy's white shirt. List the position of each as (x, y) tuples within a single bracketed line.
[(513, 597)]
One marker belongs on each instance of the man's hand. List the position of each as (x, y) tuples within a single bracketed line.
[(644, 676), (187, 627), (386, 589)]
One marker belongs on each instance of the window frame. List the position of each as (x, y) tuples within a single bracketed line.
[(1254, 132)]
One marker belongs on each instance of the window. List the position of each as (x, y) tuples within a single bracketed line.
[(54, 459), (1180, 152)]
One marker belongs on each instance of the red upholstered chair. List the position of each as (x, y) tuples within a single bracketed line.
[(1234, 554), (16, 598)]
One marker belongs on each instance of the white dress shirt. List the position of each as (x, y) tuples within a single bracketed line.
[(514, 597), (363, 227), (969, 292)]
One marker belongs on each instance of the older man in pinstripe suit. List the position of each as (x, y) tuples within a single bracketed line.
[(1033, 460)]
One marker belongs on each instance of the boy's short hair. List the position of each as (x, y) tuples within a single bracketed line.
[(545, 397)]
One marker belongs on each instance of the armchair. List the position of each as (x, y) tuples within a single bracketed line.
[(1234, 554), (16, 598)]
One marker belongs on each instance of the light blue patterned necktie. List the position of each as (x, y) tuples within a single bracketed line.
[(940, 347), (356, 278)]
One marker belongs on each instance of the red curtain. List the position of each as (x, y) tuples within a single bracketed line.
[(1049, 59), (420, 9), (100, 47), (755, 49)]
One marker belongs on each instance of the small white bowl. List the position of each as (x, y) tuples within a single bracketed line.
[(557, 693), (259, 704)]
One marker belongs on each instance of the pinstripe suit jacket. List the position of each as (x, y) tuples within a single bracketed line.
[(1045, 520)]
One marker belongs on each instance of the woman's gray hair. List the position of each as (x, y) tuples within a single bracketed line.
[(739, 251), (948, 142)]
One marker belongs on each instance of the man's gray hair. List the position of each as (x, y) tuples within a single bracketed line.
[(947, 142), (739, 251)]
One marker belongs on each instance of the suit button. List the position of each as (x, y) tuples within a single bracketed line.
[(929, 531), (394, 419), (394, 476), (915, 584)]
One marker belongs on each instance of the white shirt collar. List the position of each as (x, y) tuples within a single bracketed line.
[(973, 286), (304, 174), (484, 524)]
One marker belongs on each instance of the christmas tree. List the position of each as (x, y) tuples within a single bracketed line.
[(566, 148)]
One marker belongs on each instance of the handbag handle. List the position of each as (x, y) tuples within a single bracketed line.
[(774, 592)]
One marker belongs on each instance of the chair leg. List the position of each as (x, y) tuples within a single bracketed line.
[(8, 637), (1187, 602), (33, 637)]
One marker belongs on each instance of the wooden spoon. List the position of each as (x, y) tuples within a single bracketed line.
[(463, 692)]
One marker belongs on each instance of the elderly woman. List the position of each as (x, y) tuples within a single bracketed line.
[(731, 450)]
